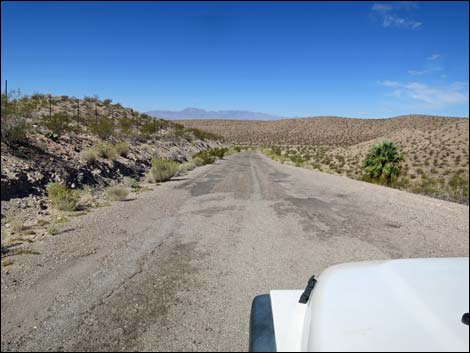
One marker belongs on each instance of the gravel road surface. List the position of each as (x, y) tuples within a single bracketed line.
[(176, 268)]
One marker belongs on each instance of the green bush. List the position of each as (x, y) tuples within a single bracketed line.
[(58, 123), (61, 198), (209, 156), (116, 193), (162, 170), (105, 150), (186, 167), (150, 127), (126, 125), (458, 188), (15, 112), (103, 128), (203, 157), (14, 129), (383, 161)]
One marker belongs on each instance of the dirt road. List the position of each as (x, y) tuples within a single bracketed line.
[(177, 267)]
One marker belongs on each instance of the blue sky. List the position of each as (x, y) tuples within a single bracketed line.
[(357, 59)]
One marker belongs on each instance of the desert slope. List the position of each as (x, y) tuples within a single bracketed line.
[(331, 131)]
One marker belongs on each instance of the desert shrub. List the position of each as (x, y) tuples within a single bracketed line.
[(204, 135), (105, 150), (383, 161), (90, 99), (237, 148), (58, 123), (458, 186), (103, 128), (162, 170), (122, 148), (116, 193), (126, 125), (89, 155), (38, 96), (219, 152), (181, 133), (204, 157), (276, 150), (186, 167), (401, 183), (150, 127), (107, 101), (62, 198), (86, 198), (15, 113), (14, 129), (131, 182)]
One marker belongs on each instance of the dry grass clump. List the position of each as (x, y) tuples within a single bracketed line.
[(116, 193), (122, 148)]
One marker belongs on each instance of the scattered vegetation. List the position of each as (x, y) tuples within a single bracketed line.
[(103, 128), (162, 170), (15, 112), (209, 156), (7, 262), (61, 198), (132, 183), (122, 148), (89, 155), (116, 193), (58, 124), (105, 150)]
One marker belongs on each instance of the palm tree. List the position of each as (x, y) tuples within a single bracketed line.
[(383, 162)]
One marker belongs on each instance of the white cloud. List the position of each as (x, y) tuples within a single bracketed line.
[(434, 57), (455, 93), (417, 72), (388, 14), (432, 65)]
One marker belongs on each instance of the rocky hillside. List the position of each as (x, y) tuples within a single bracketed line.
[(82, 142)]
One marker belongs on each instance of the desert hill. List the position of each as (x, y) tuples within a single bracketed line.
[(436, 149), (331, 131)]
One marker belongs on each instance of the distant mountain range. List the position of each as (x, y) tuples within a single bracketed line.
[(196, 113)]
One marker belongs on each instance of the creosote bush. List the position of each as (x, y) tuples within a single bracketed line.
[(103, 128), (105, 150), (58, 123), (62, 198), (162, 170)]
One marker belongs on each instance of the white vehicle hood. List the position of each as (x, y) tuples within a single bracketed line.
[(396, 305)]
